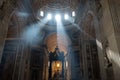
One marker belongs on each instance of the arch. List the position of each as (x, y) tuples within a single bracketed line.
[(60, 40), (12, 31)]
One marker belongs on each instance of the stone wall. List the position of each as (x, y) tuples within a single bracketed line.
[(6, 8), (110, 23)]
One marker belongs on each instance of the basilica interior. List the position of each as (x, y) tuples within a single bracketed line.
[(59, 39)]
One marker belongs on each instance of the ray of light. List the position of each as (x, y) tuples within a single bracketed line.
[(99, 44), (71, 20), (114, 56), (61, 31), (22, 14), (32, 32)]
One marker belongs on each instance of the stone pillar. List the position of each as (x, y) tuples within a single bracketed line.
[(111, 28), (99, 37), (63, 77), (50, 71), (115, 44), (115, 15)]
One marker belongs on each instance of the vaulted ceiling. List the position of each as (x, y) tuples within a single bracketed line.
[(32, 7)]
